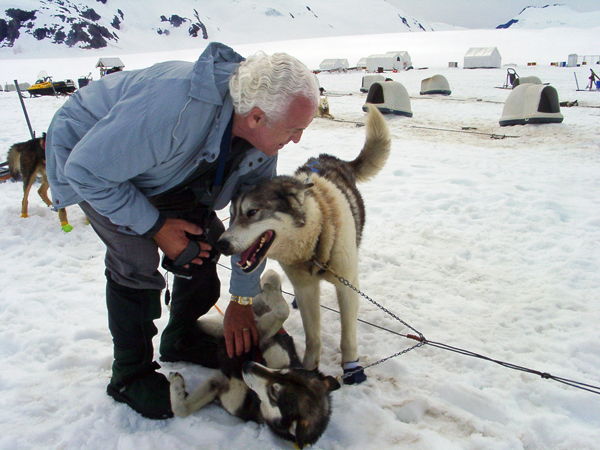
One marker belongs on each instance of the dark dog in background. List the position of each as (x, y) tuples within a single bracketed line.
[(27, 160)]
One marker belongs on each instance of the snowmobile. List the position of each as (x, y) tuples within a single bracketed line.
[(45, 86)]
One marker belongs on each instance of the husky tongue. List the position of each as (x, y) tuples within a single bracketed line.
[(244, 256), (247, 257)]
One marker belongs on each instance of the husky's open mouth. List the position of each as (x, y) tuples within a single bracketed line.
[(253, 256)]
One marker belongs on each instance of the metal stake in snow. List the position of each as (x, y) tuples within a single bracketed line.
[(31, 132)]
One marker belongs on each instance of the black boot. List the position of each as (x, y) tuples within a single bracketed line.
[(181, 339), (134, 380)]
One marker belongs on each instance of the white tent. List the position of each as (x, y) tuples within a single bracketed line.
[(362, 63), (12, 88), (522, 80), (368, 80), (389, 61), (531, 103), (482, 57), (333, 64), (390, 97), (572, 61), (437, 84)]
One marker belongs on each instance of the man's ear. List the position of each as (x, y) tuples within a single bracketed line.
[(256, 118)]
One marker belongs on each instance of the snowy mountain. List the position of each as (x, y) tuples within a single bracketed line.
[(552, 16), (40, 25)]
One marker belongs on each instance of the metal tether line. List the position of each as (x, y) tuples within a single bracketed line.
[(423, 341)]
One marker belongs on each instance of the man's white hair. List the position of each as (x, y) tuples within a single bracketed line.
[(271, 83)]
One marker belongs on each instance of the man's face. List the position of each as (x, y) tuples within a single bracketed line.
[(274, 135)]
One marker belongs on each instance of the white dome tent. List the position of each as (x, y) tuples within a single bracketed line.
[(437, 84), (368, 80), (531, 103), (523, 80), (390, 97)]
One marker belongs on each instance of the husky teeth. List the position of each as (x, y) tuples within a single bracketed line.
[(248, 263)]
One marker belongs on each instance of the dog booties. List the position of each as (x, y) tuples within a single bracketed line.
[(354, 373)]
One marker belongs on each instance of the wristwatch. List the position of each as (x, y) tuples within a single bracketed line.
[(244, 301)]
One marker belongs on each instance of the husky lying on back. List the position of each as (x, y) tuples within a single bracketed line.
[(312, 219), (294, 402)]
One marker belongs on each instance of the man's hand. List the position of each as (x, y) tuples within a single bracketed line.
[(240, 329), (172, 240)]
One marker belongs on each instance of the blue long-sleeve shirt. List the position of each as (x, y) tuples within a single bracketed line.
[(133, 135)]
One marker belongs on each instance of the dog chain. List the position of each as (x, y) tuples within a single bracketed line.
[(345, 282)]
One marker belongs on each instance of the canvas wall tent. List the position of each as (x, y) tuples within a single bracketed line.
[(368, 80), (437, 84), (531, 103), (389, 61), (482, 57), (390, 97), (333, 64), (362, 63)]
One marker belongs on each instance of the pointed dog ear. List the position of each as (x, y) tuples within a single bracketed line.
[(294, 194), (301, 431), (301, 191), (331, 383)]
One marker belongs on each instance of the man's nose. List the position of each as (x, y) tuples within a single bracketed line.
[(296, 137)]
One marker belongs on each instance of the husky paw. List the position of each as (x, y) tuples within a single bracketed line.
[(177, 385), (66, 227), (178, 395), (354, 374)]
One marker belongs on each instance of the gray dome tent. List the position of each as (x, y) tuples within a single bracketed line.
[(523, 80), (390, 97), (368, 80), (437, 84), (531, 103)]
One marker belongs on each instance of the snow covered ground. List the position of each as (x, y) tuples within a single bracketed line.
[(491, 245)]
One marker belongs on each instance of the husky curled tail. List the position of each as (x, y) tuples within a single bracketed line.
[(345, 174), (305, 221), (376, 150)]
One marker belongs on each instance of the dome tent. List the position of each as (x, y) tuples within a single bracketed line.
[(523, 80), (390, 97), (437, 84), (531, 103), (368, 80)]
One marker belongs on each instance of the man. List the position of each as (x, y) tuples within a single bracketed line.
[(149, 155)]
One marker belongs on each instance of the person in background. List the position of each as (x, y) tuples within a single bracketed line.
[(149, 155)]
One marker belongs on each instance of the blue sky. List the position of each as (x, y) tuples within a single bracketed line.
[(480, 13)]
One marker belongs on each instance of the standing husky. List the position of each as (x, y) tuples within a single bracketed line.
[(294, 402), (312, 219), (27, 160)]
